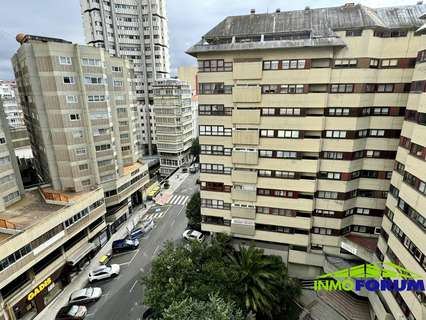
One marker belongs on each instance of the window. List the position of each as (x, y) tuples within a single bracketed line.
[(389, 63), (286, 154), (212, 110), (116, 69), (74, 116), (83, 167), (214, 88), (71, 99), (217, 65), (338, 111), (342, 88), (77, 134), (288, 134), (333, 155), (335, 134), (265, 153), (93, 80), (345, 63), (80, 151), (103, 163), (289, 111), (389, 87), (293, 64), (327, 195), (292, 88), (89, 62), (270, 65), (214, 131), (270, 88), (354, 33), (374, 63), (268, 111), (103, 147), (69, 80), (267, 133), (118, 83), (11, 196), (376, 133), (330, 175), (96, 98), (65, 60)]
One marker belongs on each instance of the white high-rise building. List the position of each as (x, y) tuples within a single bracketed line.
[(137, 30), (11, 105)]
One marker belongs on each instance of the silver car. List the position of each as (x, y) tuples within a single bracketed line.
[(85, 295)]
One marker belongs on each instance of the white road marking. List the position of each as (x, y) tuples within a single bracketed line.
[(156, 249), (131, 260), (173, 222), (180, 211), (133, 286), (142, 269)]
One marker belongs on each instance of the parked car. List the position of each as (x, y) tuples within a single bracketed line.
[(136, 234), (193, 169), (85, 296), (124, 245), (185, 169), (71, 312), (166, 184), (193, 235), (104, 272), (148, 314)]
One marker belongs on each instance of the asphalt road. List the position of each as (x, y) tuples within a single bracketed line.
[(123, 296)]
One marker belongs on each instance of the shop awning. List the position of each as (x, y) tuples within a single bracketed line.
[(81, 253)]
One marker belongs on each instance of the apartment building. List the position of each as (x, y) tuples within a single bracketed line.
[(11, 187), (403, 237), (189, 74), (81, 112), (44, 238), (138, 31), (300, 118), (173, 116), (11, 106)]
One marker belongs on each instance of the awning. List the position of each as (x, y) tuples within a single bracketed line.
[(81, 253)]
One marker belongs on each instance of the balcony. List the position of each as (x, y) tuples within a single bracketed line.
[(246, 94), (243, 227), (247, 70), (245, 137), (245, 156), (244, 176), (243, 195), (246, 116), (243, 212)]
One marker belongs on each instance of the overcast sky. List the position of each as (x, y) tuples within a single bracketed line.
[(188, 21)]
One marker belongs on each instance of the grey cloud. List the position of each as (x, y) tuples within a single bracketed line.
[(188, 21)]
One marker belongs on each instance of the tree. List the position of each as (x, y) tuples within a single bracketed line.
[(193, 212), (259, 279), (214, 309), (195, 149)]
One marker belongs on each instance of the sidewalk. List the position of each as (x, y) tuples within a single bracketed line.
[(80, 281)]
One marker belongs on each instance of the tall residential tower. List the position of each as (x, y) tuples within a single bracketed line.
[(300, 120), (136, 30)]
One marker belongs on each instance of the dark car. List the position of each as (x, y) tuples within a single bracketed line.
[(185, 169), (71, 313), (124, 245), (136, 234)]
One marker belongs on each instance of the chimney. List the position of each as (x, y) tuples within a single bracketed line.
[(252, 11), (278, 10), (349, 5)]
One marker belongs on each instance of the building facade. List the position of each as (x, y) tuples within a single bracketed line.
[(189, 74), (174, 127), (300, 118), (11, 105), (136, 30), (403, 236), (81, 112), (11, 187)]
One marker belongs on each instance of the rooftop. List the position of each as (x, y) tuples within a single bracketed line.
[(29, 210), (305, 28)]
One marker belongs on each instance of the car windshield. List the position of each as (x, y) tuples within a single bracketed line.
[(129, 242), (73, 311)]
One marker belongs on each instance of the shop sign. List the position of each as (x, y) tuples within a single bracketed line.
[(46, 283)]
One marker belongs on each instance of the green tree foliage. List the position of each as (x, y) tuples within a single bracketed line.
[(195, 148), (193, 211), (185, 278), (216, 308)]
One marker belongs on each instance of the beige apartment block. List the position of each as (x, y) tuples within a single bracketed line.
[(136, 30), (403, 237), (11, 187), (174, 126), (300, 119), (43, 243), (81, 112)]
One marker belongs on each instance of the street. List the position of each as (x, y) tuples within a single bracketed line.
[(123, 296)]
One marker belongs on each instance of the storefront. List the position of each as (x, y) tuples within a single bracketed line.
[(39, 297)]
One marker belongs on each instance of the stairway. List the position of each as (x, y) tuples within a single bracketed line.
[(349, 307)]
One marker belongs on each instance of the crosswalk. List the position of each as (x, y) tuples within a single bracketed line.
[(178, 199)]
